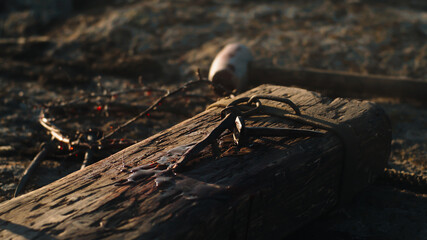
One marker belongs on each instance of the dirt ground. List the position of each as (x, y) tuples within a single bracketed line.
[(52, 51)]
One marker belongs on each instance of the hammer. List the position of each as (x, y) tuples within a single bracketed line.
[(235, 69)]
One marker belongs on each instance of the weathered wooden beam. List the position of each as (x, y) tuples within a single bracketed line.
[(342, 84), (266, 190)]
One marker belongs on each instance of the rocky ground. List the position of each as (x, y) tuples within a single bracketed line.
[(53, 51)]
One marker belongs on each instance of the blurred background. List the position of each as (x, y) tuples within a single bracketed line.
[(60, 50)]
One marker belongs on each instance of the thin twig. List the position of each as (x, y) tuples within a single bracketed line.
[(54, 130), (111, 94), (47, 147), (87, 159), (154, 105)]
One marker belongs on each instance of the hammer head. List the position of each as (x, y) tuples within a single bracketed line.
[(230, 66)]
